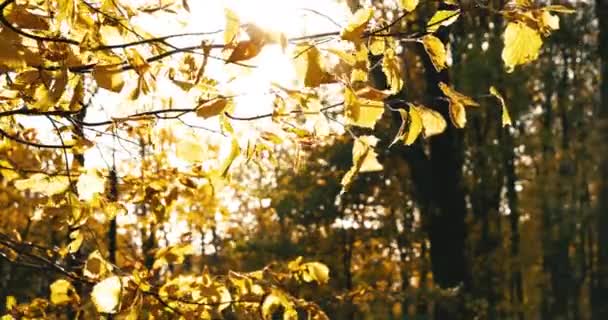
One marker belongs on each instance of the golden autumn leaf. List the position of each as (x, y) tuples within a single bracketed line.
[(172, 255), (506, 118), (522, 45), (274, 301), (42, 183), (436, 51), (315, 271), (231, 30), (391, 66), (62, 292), (109, 77), (364, 160), (411, 127), (361, 68), (244, 50), (458, 102), (309, 66), (106, 295), (377, 45), (77, 239), (433, 122), (357, 25), (212, 108), (189, 151), (362, 112), (96, 267), (442, 18), (408, 5), (227, 160)]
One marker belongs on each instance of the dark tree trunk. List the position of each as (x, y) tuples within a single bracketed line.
[(600, 290)]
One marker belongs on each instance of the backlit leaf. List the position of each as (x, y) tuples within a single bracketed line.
[(436, 51), (364, 160), (391, 66), (411, 127), (506, 118), (244, 50), (522, 45), (212, 108), (42, 183), (433, 122), (408, 5), (232, 26), (357, 25), (96, 266), (458, 102), (109, 77), (442, 18), (62, 292), (315, 271), (362, 112), (309, 66), (106, 295)]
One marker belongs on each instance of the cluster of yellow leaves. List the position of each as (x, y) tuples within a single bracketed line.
[(524, 32), (419, 119)]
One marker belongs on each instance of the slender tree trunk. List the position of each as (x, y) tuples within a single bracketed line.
[(600, 291), (113, 196)]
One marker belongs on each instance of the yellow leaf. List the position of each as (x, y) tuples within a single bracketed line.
[(408, 5), (432, 121), (274, 302), (344, 56), (109, 77), (559, 8), (41, 183), (549, 21), (458, 102), (309, 68), (391, 66), (89, 184), (244, 50), (62, 292), (506, 118), (139, 64), (377, 45), (522, 45), (189, 151), (77, 239), (364, 160), (11, 302), (315, 271), (232, 26), (361, 67), (357, 24), (106, 295), (235, 150), (66, 11), (360, 111), (212, 108), (172, 255), (436, 51), (458, 114), (442, 18), (413, 123), (96, 266)]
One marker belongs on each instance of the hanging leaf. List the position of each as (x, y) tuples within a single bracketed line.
[(362, 112), (96, 266), (232, 26), (364, 160), (408, 5), (42, 183), (411, 127), (391, 66), (433, 122), (172, 255), (77, 239), (506, 118), (357, 25), (62, 292), (458, 102), (522, 45), (106, 295), (244, 50), (442, 18), (436, 51), (309, 67), (212, 108), (109, 77), (315, 271)]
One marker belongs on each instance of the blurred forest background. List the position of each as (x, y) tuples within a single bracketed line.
[(487, 222)]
